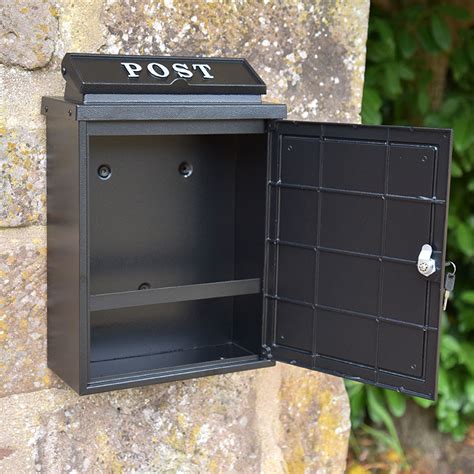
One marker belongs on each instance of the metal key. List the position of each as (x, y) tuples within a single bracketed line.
[(449, 281)]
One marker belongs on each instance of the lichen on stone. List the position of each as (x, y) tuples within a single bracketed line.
[(23, 183), (28, 33)]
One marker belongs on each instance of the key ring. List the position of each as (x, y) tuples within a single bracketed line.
[(449, 262)]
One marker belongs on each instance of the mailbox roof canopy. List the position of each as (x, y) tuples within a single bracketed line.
[(127, 74)]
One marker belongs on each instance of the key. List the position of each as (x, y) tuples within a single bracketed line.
[(449, 281)]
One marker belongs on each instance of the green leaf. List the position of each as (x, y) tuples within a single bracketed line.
[(378, 412), (357, 400), (456, 171), (468, 296), (371, 117), (383, 48), (385, 31), (406, 72), (375, 405), (423, 402), (470, 48), (392, 85), (378, 52), (459, 64), (385, 439), (460, 430), (427, 41), (469, 389), (450, 344), (462, 132), (371, 104), (443, 383), (451, 106), (450, 351), (453, 221), (470, 154), (465, 239), (396, 401), (436, 120), (467, 356), (466, 320), (372, 98), (441, 33), (423, 101), (406, 44), (454, 11), (412, 13)]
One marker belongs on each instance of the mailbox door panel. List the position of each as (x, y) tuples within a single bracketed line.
[(348, 209)]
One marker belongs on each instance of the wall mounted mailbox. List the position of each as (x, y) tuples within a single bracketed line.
[(193, 231)]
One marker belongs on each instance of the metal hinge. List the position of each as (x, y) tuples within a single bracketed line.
[(267, 352)]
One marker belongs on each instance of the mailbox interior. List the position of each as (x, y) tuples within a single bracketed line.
[(199, 237)]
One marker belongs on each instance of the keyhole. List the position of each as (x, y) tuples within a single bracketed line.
[(185, 169)]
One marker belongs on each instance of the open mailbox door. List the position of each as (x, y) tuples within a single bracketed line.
[(349, 208)]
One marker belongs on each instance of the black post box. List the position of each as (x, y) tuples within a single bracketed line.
[(192, 231)]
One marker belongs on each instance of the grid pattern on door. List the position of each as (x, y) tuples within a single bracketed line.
[(349, 208)]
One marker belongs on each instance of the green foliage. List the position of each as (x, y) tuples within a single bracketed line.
[(402, 48)]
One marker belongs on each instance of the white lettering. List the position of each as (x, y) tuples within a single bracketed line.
[(182, 70), (152, 70), (160, 71), (132, 69), (205, 69)]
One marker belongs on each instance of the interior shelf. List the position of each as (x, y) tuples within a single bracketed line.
[(175, 294)]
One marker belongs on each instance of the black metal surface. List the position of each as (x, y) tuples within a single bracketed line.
[(105, 74), (349, 208), (174, 373), (176, 127), (200, 291), (91, 99), (106, 368), (65, 337), (168, 112)]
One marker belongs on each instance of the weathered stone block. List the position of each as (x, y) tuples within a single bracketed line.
[(230, 423), (23, 311), (310, 54), (315, 415), (23, 169), (80, 27), (22, 92), (28, 33)]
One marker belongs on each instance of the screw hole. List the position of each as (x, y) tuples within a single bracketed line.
[(144, 286), (104, 172), (185, 169)]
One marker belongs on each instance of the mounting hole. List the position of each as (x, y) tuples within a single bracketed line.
[(144, 286), (104, 172), (185, 169)]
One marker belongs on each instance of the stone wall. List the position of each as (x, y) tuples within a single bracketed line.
[(284, 419)]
